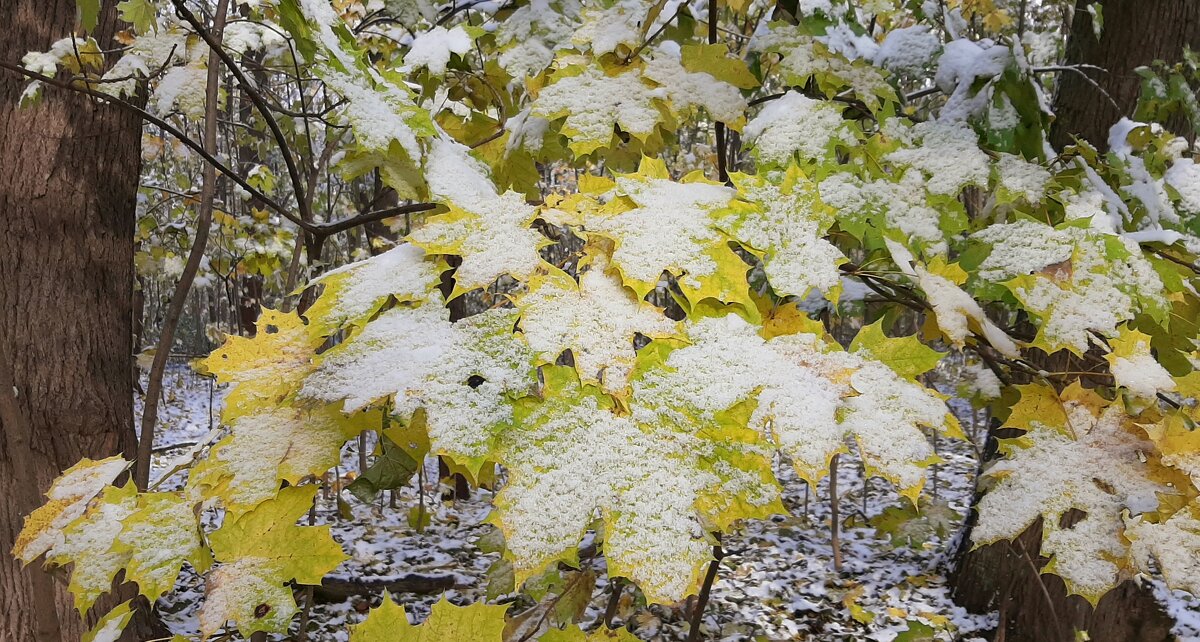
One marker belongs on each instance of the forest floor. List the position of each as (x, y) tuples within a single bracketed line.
[(777, 581)]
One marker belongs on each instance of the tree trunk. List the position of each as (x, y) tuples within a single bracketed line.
[(1001, 577), (67, 197), (1135, 33)]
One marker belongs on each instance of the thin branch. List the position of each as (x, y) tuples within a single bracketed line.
[(327, 229), (167, 127), (705, 591), (208, 191), (255, 97), (1079, 70), (657, 32)]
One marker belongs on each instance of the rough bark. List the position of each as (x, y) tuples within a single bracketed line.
[(1136, 33), (1001, 577), (67, 195)]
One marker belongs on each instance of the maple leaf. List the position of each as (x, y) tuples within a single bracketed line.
[(476, 622), (956, 312), (906, 355), (275, 444), (1134, 368), (1083, 456), (109, 627), (88, 545), (260, 552), (266, 368), (156, 538), (493, 236), (784, 225), (802, 57), (810, 397), (1171, 546), (1178, 441), (1108, 282), (696, 252), (658, 487), (596, 319), (593, 101), (795, 125), (389, 128), (355, 292), (68, 499), (690, 85), (461, 373)]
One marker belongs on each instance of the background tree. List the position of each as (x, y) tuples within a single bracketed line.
[(67, 191), (1102, 88)]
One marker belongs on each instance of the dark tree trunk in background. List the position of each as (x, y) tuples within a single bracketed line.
[(1135, 33), (248, 306), (1000, 577), (68, 181)]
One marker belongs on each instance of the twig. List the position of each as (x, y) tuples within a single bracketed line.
[(208, 190), (1079, 70), (614, 601), (214, 45), (835, 538), (705, 591)]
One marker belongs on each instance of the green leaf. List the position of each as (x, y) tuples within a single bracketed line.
[(89, 14), (392, 469), (906, 355), (715, 60), (139, 13), (109, 627)]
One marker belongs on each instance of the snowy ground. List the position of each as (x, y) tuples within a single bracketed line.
[(777, 582)]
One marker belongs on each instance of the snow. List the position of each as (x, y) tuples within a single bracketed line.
[(1184, 177), (496, 240), (592, 101), (962, 65), (1141, 375), (1056, 470), (907, 49), (644, 251), (402, 271), (596, 319), (788, 228), (526, 132), (1022, 178), (46, 62), (605, 28), (721, 100), (533, 33), (1118, 136), (377, 115), (183, 87), (794, 124), (1076, 288), (904, 205), (948, 154), (431, 49), (776, 582), (455, 176)]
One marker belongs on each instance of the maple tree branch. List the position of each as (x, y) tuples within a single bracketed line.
[(705, 590), (255, 97), (208, 191), (167, 127), (334, 227)]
